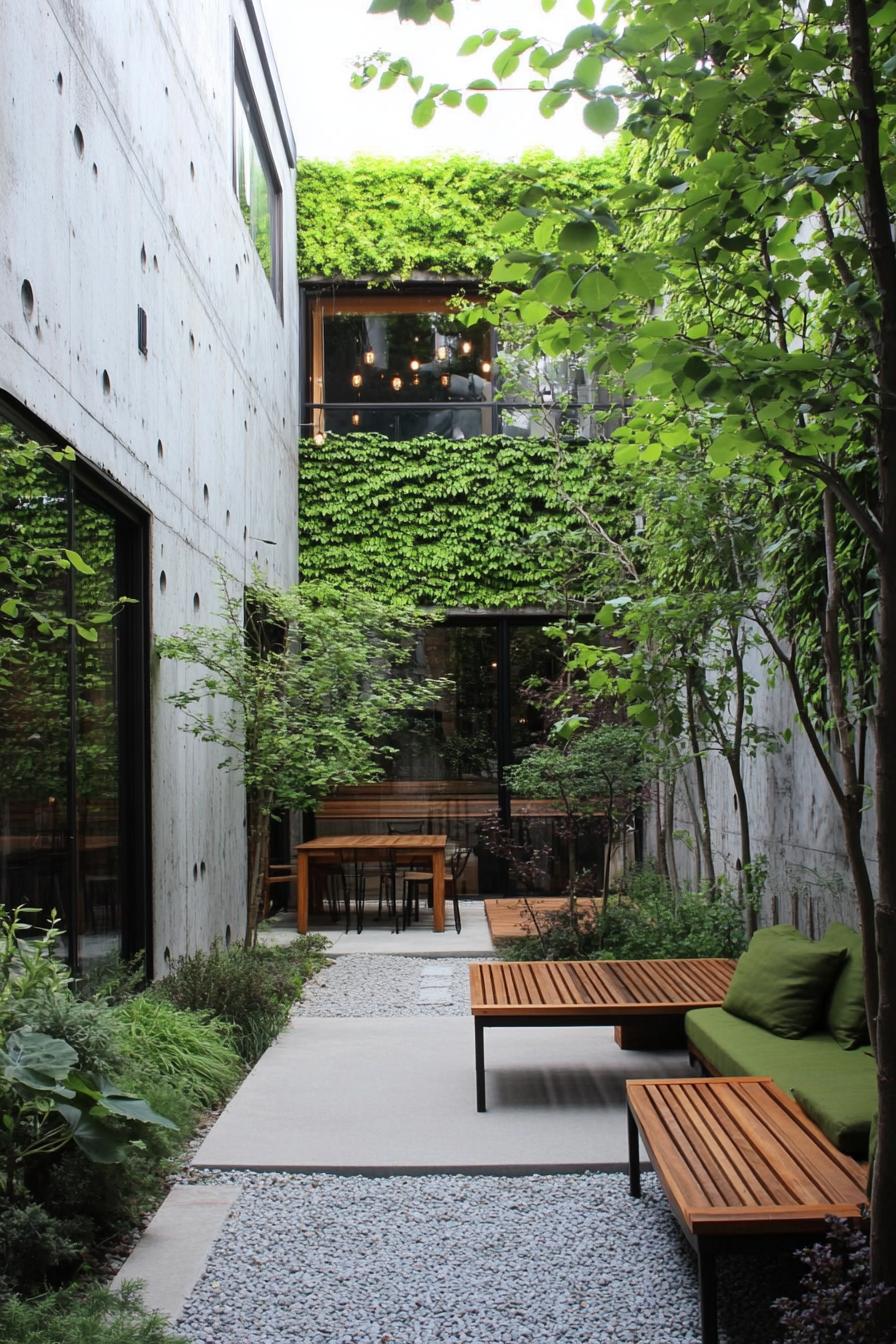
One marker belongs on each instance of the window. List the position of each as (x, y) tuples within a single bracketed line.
[(73, 718), (401, 366), (255, 182)]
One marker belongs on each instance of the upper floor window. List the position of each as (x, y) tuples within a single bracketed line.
[(254, 179)]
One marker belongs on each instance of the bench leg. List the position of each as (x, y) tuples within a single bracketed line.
[(709, 1311), (479, 1027), (634, 1156)]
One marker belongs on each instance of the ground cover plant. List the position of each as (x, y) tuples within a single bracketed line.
[(251, 990), (643, 919), (91, 1316)]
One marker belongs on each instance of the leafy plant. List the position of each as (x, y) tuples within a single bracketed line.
[(252, 989), (417, 520), (92, 1316), (187, 1049), (387, 217), (645, 920), (837, 1301), (46, 1104)]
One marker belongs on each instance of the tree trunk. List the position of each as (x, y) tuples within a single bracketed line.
[(883, 258), (746, 856), (258, 841), (700, 779), (669, 828)]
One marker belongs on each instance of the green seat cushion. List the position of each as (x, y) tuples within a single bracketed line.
[(836, 1088), (845, 1018), (782, 981)]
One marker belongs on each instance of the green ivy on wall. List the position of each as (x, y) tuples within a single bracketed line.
[(382, 218), (449, 523)]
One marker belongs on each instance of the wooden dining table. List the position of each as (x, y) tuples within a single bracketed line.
[(424, 849)]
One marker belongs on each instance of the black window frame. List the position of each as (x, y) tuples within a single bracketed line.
[(84, 482)]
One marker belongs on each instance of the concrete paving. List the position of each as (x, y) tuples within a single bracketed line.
[(382, 1096), (171, 1255), (474, 939)]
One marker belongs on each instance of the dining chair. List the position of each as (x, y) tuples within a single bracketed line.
[(413, 881)]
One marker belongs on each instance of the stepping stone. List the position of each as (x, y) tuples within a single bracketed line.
[(434, 995), (436, 973)]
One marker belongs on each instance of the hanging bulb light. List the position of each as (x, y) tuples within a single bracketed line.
[(415, 381), (356, 419), (466, 347), (442, 352), (357, 380), (396, 384), (486, 366), (369, 357), (444, 380), (415, 364), (320, 439)]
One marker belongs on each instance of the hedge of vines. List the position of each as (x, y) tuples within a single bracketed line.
[(386, 217), (448, 523)]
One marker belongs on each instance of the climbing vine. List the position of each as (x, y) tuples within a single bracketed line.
[(441, 522), (383, 218)]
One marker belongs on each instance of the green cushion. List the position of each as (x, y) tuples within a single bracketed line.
[(846, 1007), (782, 981), (837, 1088)]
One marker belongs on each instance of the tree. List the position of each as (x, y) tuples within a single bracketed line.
[(301, 688), (769, 174)]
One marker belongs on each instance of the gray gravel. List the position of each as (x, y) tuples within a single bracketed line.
[(456, 1259), (389, 986)]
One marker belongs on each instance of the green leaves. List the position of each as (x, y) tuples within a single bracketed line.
[(601, 115), (423, 111), (578, 236), (596, 291), (639, 275)]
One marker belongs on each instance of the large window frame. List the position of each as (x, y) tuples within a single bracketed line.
[(83, 486), (245, 104)]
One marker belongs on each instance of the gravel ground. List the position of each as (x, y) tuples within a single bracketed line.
[(389, 986), (458, 1260)]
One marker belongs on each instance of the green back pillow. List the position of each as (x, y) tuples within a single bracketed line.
[(846, 1007), (782, 981)]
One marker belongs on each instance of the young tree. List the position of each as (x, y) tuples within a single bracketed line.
[(301, 688), (769, 173)]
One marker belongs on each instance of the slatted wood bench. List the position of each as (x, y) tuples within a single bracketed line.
[(643, 999), (739, 1161)]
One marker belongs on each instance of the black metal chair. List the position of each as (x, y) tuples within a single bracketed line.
[(413, 881)]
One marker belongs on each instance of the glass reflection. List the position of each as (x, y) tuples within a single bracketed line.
[(97, 741), (34, 705)]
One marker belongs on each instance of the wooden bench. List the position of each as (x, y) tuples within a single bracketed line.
[(739, 1161), (645, 1000)]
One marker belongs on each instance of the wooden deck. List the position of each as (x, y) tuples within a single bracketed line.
[(512, 918), (738, 1160)]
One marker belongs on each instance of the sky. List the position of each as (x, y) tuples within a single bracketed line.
[(316, 43)]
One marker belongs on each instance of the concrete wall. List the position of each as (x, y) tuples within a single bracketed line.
[(795, 825), (116, 163)]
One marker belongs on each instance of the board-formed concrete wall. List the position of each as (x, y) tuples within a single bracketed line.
[(116, 157), (795, 824)]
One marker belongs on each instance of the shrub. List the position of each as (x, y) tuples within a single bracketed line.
[(88, 1027), (34, 1243), (645, 920), (251, 988), (179, 1046), (97, 1316), (836, 1300)]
